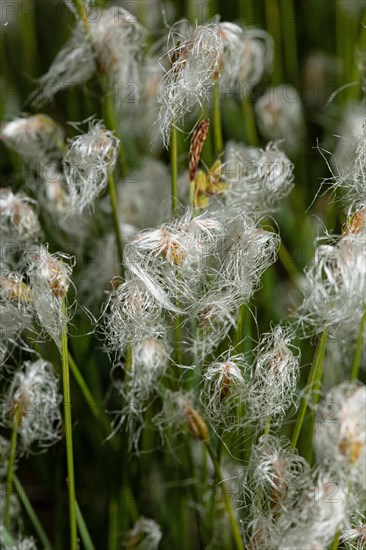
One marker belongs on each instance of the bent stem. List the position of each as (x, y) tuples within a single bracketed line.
[(239, 545), (312, 383), (10, 476), (68, 428), (249, 120), (357, 356)]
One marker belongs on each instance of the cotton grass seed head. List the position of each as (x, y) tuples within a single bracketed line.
[(88, 159), (257, 180), (49, 280), (340, 434), (274, 377), (130, 315), (280, 115), (193, 64), (223, 389), (34, 392), (145, 535), (18, 217), (36, 138)]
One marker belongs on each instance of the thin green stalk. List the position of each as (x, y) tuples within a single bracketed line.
[(238, 541), (335, 542), (174, 169), (357, 356), (273, 23), (249, 121), (113, 524), (12, 455), (313, 379), (216, 117), (286, 260), (84, 533), (116, 224), (32, 515), (68, 429), (290, 41)]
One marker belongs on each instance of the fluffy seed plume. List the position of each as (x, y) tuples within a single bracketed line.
[(273, 382), (18, 218), (194, 59), (34, 390), (36, 138), (86, 162)]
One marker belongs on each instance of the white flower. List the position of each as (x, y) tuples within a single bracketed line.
[(145, 535), (280, 116), (113, 48), (340, 433), (170, 260), (335, 292), (87, 161), (130, 315), (223, 390), (149, 361), (18, 218), (34, 391), (49, 281), (251, 251), (36, 138), (276, 471), (247, 56), (194, 63), (274, 377), (258, 180)]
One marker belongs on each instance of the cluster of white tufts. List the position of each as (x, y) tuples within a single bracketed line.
[(275, 472), (149, 361), (193, 62), (247, 56), (112, 46), (335, 288), (49, 281), (34, 392), (280, 115), (18, 218), (273, 380), (223, 390), (145, 535), (257, 180), (340, 434), (88, 159), (171, 260), (130, 315), (37, 138)]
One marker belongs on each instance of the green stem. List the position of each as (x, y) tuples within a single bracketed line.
[(12, 455), (290, 41), (357, 356), (286, 260), (216, 117), (84, 533), (113, 524), (335, 542), (249, 121), (116, 224), (68, 429), (313, 379), (239, 545), (273, 22), (32, 514), (174, 169)]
